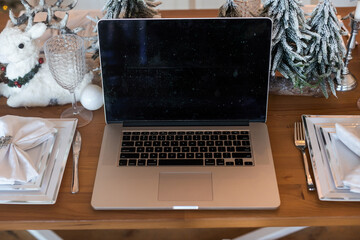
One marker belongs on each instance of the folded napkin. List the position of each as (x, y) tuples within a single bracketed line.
[(350, 136), (18, 134)]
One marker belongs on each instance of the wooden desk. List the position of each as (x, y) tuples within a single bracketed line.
[(298, 206)]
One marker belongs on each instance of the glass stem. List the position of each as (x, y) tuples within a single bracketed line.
[(74, 105)]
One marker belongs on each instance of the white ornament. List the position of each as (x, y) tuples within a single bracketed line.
[(91, 97)]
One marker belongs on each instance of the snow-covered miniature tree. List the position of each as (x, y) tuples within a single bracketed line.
[(229, 9), (130, 9), (290, 33), (326, 52)]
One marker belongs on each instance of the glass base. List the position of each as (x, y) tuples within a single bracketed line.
[(84, 116)]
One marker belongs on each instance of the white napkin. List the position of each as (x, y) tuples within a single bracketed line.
[(350, 136), (26, 133)]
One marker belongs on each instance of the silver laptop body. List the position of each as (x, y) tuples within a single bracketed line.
[(180, 77)]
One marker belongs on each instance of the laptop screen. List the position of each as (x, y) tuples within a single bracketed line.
[(178, 70)]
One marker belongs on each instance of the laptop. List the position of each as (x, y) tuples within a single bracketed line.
[(185, 108)]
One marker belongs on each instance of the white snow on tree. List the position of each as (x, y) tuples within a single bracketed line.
[(327, 51), (123, 9), (290, 33), (229, 9)]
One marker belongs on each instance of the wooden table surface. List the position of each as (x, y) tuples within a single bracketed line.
[(298, 206)]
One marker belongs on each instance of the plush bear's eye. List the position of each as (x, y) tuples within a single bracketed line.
[(21, 46)]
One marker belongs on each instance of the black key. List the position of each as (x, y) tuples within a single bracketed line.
[(210, 162), (243, 137), (152, 162), (170, 138), (235, 132), (207, 132), (246, 143), (135, 138), (217, 155), (187, 137), (226, 155), (230, 149), (126, 138), (199, 155), (149, 149), (205, 137), (180, 155), (190, 155), (244, 132), (228, 143), (156, 143), (167, 149), (183, 143), (132, 162), (239, 162), (141, 162), (180, 133), (220, 162), (171, 133), (194, 149), (153, 155), (145, 133), (139, 144), (221, 149), (135, 133), (165, 143), (181, 162), (140, 149), (208, 155), (192, 143), (158, 149), (219, 143), (248, 163), (122, 162), (212, 149), (162, 133), (144, 138), (179, 137), (199, 132), (223, 137), (174, 144), (229, 163), (171, 155), (147, 144), (129, 155), (217, 132), (185, 149), (127, 149), (176, 149), (154, 133), (126, 133), (161, 138), (226, 132), (232, 137), (152, 138), (144, 155), (210, 143), (127, 144), (201, 143), (190, 133), (162, 155), (237, 143), (214, 137), (243, 149), (196, 137), (203, 149), (241, 155)]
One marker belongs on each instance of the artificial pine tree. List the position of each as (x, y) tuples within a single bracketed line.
[(290, 33), (229, 9), (327, 50), (130, 9)]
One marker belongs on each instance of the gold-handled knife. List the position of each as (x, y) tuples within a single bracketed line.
[(76, 146)]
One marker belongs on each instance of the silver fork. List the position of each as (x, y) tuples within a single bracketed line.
[(301, 145)]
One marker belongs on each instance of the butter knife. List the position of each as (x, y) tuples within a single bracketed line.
[(76, 146)]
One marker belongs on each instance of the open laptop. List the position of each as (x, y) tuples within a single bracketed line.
[(185, 107)]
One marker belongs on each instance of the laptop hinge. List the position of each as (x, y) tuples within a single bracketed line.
[(185, 123)]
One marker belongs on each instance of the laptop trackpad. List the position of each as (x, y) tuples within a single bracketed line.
[(185, 186)]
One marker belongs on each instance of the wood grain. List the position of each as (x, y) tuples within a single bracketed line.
[(298, 206)]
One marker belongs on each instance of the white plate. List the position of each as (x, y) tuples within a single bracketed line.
[(48, 191), (324, 179)]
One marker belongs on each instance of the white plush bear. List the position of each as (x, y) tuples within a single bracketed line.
[(30, 81)]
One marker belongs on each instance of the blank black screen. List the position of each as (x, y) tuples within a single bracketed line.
[(185, 69)]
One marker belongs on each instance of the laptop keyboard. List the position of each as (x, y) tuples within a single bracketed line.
[(186, 148)]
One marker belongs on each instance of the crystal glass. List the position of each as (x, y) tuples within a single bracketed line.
[(65, 55)]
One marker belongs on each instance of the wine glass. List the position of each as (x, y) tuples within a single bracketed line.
[(65, 55)]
